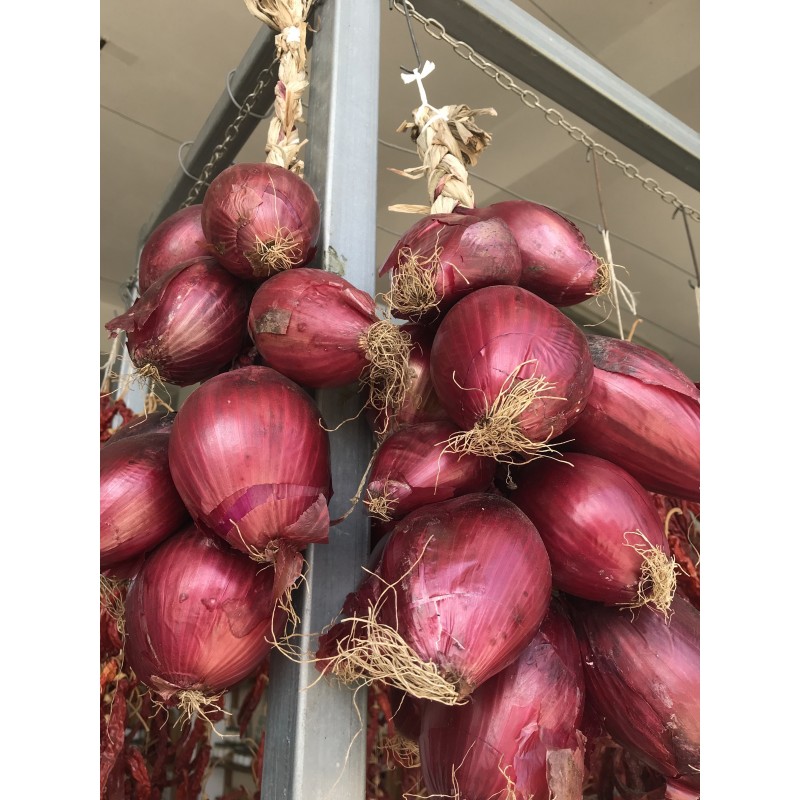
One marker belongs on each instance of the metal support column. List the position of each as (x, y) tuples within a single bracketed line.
[(316, 731), (516, 42)]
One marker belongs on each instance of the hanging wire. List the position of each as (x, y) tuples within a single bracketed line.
[(695, 286), (413, 38), (233, 99), (615, 284), (180, 160)]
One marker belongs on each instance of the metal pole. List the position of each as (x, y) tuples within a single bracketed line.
[(258, 56), (516, 42), (316, 731)]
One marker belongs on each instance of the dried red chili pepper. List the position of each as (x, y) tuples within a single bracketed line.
[(112, 744)]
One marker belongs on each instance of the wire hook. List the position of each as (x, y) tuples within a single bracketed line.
[(411, 34), (233, 99)]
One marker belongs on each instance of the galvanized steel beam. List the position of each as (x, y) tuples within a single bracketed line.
[(316, 730), (512, 39)]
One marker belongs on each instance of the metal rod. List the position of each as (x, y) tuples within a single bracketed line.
[(518, 43), (316, 730), (259, 55)]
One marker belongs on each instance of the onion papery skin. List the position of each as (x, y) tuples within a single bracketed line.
[(421, 403), (308, 324), (485, 338), (139, 504), (586, 511), (643, 414), (199, 616), (512, 723), (466, 253), (179, 238), (251, 203), (251, 460), (189, 324), (158, 421), (411, 469), (557, 264), (643, 679), (472, 585)]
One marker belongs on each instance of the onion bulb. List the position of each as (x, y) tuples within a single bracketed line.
[(643, 679), (445, 256), (411, 468), (602, 531), (199, 618), (250, 458), (139, 504), (319, 330), (460, 590), (177, 239), (557, 264), (511, 370), (188, 325), (260, 219), (643, 414), (518, 736)]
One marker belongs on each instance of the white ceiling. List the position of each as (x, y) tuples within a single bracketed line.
[(164, 67)]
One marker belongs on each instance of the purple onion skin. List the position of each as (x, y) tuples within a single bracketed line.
[(199, 615), (421, 403), (189, 324), (251, 460), (557, 264), (474, 253), (139, 504), (643, 679), (643, 414), (159, 421), (486, 336), (412, 471), (307, 324), (479, 592), (582, 509), (511, 723), (248, 203), (177, 239)]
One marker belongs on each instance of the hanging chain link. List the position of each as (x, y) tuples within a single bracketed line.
[(436, 30), (230, 132)]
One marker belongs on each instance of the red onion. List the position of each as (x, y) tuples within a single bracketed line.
[(517, 737), (557, 264), (188, 325), (420, 403), (602, 531), (200, 617), (511, 370), (411, 468), (250, 458), (461, 588), (445, 256), (319, 330), (643, 678), (177, 239), (139, 505), (260, 219), (643, 414)]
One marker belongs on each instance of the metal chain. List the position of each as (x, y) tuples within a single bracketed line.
[(436, 30), (230, 132)]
